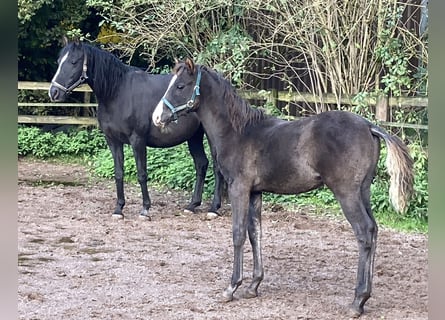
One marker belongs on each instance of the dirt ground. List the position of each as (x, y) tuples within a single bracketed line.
[(76, 262)]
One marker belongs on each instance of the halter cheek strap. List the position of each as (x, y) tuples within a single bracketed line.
[(189, 104), (81, 80)]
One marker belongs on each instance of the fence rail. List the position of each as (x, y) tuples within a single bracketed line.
[(273, 96)]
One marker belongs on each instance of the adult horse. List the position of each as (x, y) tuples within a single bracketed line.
[(126, 98), (256, 152)]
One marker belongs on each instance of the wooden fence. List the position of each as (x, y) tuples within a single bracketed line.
[(273, 96), (44, 86)]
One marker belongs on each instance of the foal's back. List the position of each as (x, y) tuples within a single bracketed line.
[(297, 156)]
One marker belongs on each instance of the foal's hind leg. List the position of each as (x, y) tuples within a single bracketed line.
[(356, 207)]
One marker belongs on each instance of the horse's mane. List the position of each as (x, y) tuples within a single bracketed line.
[(105, 71), (241, 114)]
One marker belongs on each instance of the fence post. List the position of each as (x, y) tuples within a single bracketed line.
[(273, 98), (381, 108), (86, 99)]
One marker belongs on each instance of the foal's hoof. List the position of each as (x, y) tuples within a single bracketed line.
[(248, 293), (227, 296), (145, 217), (211, 215), (355, 312), (117, 216)]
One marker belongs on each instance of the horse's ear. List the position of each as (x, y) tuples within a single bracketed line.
[(190, 65), (64, 40), (176, 60)]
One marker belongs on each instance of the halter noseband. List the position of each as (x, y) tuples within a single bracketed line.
[(189, 104), (81, 80)]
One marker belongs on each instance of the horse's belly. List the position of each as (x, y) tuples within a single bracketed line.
[(291, 187), (284, 180)]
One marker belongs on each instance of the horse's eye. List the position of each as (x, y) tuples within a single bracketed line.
[(180, 86)]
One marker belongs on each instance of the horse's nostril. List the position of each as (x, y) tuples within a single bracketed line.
[(54, 93)]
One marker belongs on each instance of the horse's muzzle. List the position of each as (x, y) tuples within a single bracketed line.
[(157, 121), (159, 117), (55, 94)]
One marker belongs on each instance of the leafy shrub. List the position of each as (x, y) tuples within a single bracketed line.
[(171, 167), (35, 142)]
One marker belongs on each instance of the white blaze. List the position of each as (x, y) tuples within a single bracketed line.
[(62, 61), (156, 116)]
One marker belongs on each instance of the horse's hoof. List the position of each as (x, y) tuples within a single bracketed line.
[(211, 215), (355, 312), (227, 296), (145, 217), (188, 211), (117, 216), (248, 294)]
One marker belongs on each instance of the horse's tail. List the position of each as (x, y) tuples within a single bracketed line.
[(400, 168)]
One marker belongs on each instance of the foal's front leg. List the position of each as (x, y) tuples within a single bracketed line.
[(239, 198)]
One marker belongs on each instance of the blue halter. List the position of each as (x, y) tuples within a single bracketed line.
[(189, 104)]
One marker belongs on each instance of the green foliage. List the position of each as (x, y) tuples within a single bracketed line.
[(397, 77), (32, 141), (391, 52), (227, 53), (171, 167), (42, 24), (28, 8)]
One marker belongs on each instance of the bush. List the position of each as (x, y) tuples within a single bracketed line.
[(171, 167), (32, 141)]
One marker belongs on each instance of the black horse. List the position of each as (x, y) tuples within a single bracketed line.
[(256, 152), (127, 97)]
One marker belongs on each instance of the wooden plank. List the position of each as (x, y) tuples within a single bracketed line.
[(331, 98), (308, 97), (32, 85), (255, 94), (408, 101), (58, 120), (404, 125), (264, 95), (56, 104)]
